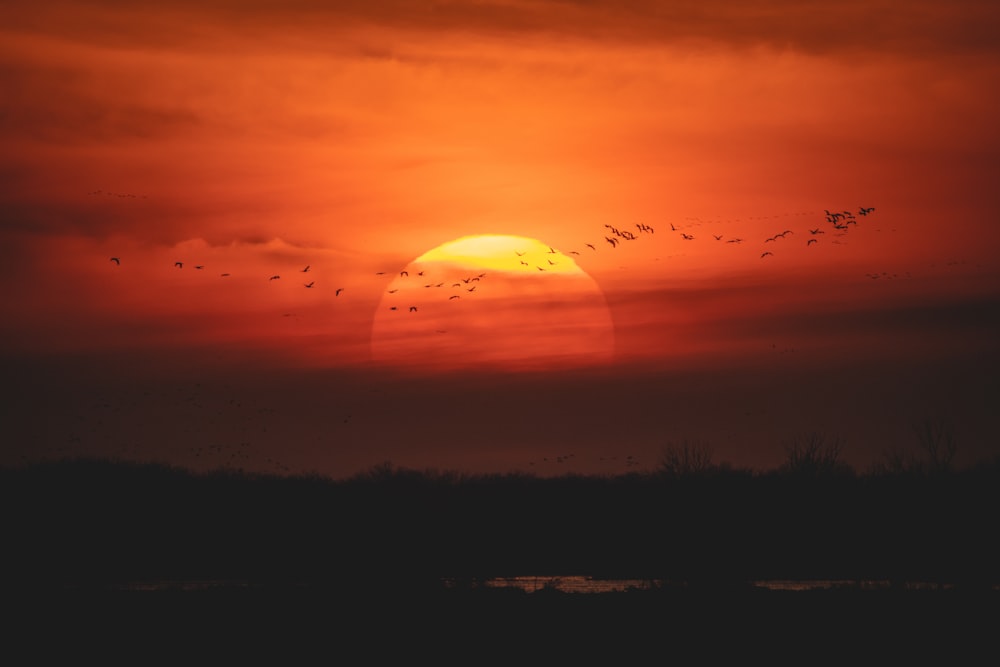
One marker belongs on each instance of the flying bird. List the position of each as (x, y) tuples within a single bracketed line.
[(866, 211), (200, 266), (116, 261), (413, 309), (454, 296), (403, 273), (274, 277), (223, 274), (310, 284), (305, 269), (179, 265), (765, 254), (590, 246), (339, 290), (810, 241)]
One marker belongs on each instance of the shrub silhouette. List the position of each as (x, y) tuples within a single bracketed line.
[(812, 454), (686, 459), (936, 448)]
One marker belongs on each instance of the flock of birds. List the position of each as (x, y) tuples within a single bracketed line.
[(839, 222)]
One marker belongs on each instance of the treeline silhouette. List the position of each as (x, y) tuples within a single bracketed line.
[(93, 522)]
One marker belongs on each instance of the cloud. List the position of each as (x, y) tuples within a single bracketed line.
[(821, 325), (920, 27)]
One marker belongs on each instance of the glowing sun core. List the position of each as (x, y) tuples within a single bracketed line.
[(502, 301)]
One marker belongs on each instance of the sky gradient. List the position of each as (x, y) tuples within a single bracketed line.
[(255, 139)]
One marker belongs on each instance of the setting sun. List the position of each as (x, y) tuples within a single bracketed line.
[(493, 300)]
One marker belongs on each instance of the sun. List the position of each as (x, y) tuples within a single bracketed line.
[(492, 301)]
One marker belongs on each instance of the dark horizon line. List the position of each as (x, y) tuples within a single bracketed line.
[(388, 470)]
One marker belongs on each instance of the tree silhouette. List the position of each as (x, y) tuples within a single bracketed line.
[(813, 454), (686, 459)]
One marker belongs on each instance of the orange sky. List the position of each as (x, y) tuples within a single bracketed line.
[(258, 138)]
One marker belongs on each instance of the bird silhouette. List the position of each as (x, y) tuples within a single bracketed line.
[(116, 261), (454, 296), (810, 241), (590, 246), (224, 274), (179, 265), (413, 309), (200, 266), (403, 273), (339, 290), (765, 254), (305, 269), (274, 277), (310, 284)]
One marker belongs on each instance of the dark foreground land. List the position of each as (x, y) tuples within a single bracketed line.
[(106, 553), (277, 624)]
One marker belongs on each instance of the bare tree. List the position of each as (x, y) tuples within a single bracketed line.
[(936, 438), (896, 461), (813, 454), (686, 458)]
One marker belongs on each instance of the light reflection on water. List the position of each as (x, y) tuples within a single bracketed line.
[(579, 584), (573, 584), (584, 584)]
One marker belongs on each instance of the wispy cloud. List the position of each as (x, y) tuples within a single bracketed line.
[(921, 27)]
